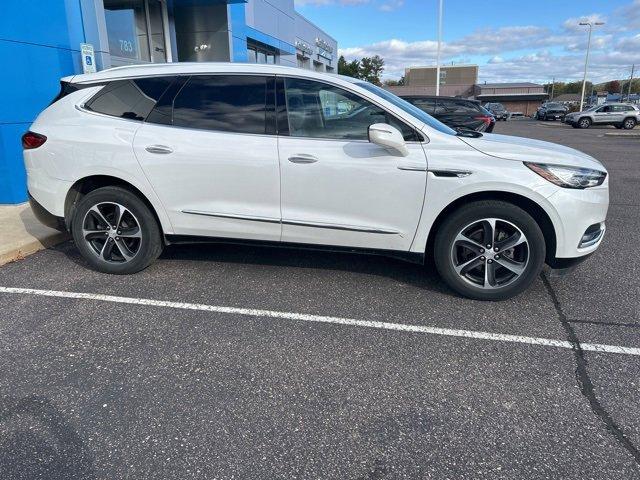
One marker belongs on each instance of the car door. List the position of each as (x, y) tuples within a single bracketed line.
[(602, 114), (337, 187), (618, 113), (210, 152)]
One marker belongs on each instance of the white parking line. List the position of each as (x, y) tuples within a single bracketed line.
[(497, 337)]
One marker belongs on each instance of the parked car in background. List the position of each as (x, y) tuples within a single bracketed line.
[(455, 112), (134, 158), (551, 111), (497, 110), (620, 115)]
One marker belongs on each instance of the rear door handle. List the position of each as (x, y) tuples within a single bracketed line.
[(302, 158), (162, 149)]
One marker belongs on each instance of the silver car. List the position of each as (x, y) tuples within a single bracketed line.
[(620, 115)]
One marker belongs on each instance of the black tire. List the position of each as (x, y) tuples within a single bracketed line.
[(629, 123), (143, 251), (584, 122), (475, 212), (619, 127)]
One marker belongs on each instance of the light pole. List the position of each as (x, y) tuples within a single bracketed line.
[(438, 52), (586, 59)]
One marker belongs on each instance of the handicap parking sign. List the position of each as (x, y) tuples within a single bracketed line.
[(88, 58)]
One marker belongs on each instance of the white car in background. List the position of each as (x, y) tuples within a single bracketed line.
[(134, 158)]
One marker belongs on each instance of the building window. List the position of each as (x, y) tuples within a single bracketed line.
[(260, 53), (136, 29)]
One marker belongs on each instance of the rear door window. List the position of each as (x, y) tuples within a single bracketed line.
[(227, 103), (131, 99)]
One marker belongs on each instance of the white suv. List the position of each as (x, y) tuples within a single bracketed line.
[(134, 158)]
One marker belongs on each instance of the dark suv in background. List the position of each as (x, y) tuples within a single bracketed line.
[(497, 110), (455, 112), (551, 111)]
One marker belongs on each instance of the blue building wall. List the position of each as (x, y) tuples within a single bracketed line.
[(39, 43)]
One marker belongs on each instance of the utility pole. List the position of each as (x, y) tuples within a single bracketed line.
[(630, 82), (586, 58), (439, 46), (553, 85)]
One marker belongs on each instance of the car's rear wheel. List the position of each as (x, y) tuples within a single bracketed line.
[(584, 122), (115, 231), (489, 250), (629, 124)]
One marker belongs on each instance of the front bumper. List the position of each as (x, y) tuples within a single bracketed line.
[(578, 213)]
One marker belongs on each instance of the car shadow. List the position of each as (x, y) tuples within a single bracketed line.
[(38, 442), (416, 275), (420, 276)]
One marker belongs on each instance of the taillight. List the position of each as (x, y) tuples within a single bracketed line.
[(31, 140), (485, 118)]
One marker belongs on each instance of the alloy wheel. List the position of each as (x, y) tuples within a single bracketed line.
[(629, 124), (112, 232), (490, 253), (584, 123)]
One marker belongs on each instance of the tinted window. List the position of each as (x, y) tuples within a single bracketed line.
[(427, 105), (622, 108), (459, 106), (132, 99), (320, 110), (228, 103), (605, 109)]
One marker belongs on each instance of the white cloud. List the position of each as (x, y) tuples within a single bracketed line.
[(559, 51), (391, 5)]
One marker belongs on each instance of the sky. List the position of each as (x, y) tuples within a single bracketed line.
[(511, 41)]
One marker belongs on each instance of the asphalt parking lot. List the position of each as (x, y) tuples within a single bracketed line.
[(266, 363)]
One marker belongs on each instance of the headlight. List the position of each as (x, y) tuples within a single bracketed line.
[(568, 177)]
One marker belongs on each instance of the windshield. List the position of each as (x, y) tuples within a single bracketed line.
[(553, 105), (407, 107)]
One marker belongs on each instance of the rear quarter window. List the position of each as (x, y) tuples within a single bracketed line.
[(132, 99)]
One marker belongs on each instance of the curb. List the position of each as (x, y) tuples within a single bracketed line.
[(32, 246)]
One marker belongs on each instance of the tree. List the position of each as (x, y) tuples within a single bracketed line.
[(613, 86), (350, 69), (371, 69), (394, 83)]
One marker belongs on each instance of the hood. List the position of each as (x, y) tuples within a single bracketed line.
[(529, 150)]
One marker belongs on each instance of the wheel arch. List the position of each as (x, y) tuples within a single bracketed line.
[(536, 211), (90, 183)]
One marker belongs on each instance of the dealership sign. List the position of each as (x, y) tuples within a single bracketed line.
[(324, 49)]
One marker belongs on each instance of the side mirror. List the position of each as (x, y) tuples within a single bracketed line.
[(388, 137)]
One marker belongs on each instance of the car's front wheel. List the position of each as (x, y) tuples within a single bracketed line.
[(584, 123), (489, 250), (115, 231)]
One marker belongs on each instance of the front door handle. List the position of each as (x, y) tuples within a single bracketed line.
[(303, 158), (162, 149)]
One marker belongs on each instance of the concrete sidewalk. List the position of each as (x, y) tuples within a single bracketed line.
[(21, 234)]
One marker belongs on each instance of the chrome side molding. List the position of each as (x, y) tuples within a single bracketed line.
[(300, 223), (235, 217)]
